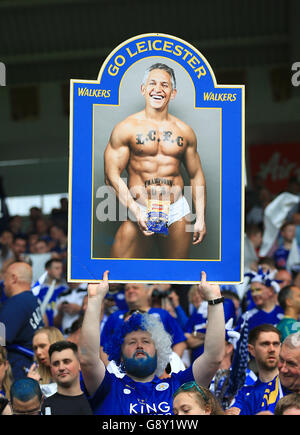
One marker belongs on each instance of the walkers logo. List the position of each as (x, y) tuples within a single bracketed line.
[(156, 126)]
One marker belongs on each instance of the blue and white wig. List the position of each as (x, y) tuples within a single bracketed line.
[(145, 322), (264, 278)]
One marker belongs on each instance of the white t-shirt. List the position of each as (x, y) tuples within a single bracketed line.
[(72, 296)]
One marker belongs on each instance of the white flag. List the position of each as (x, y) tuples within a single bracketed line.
[(274, 215)]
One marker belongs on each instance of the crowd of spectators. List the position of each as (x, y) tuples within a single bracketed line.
[(55, 360)]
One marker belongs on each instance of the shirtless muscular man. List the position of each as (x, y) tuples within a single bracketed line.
[(151, 145)]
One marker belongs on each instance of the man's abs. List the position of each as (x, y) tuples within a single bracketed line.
[(154, 165), (155, 186)]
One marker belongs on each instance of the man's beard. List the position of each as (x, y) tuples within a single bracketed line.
[(269, 365), (140, 367)]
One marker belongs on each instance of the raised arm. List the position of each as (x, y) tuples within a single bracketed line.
[(206, 365), (193, 166), (92, 368), (116, 158)]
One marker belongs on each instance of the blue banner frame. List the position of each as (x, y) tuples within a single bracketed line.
[(228, 99)]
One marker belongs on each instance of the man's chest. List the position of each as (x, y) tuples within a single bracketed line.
[(129, 400), (167, 140), (262, 316)]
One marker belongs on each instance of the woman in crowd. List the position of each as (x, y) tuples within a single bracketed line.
[(6, 379), (194, 299), (193, 399), (40, 369)]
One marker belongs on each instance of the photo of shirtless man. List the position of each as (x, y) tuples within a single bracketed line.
[(151, 145)]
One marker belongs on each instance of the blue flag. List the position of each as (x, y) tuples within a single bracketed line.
[(239, 366)]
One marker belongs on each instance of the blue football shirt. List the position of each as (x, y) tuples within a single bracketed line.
[(198, 321), (21, 316), (258, 317), (243, 394), (264, 397), (124, 396)]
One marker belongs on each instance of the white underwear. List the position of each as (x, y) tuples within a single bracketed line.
[(178, 210)]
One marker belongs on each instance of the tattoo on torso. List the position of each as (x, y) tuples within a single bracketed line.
[(152, 136)]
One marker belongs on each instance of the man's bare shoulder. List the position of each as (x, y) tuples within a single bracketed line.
[(186, 129), (130, 121), (122, 132)]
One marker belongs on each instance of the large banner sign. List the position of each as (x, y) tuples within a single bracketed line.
[(156, 168)]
